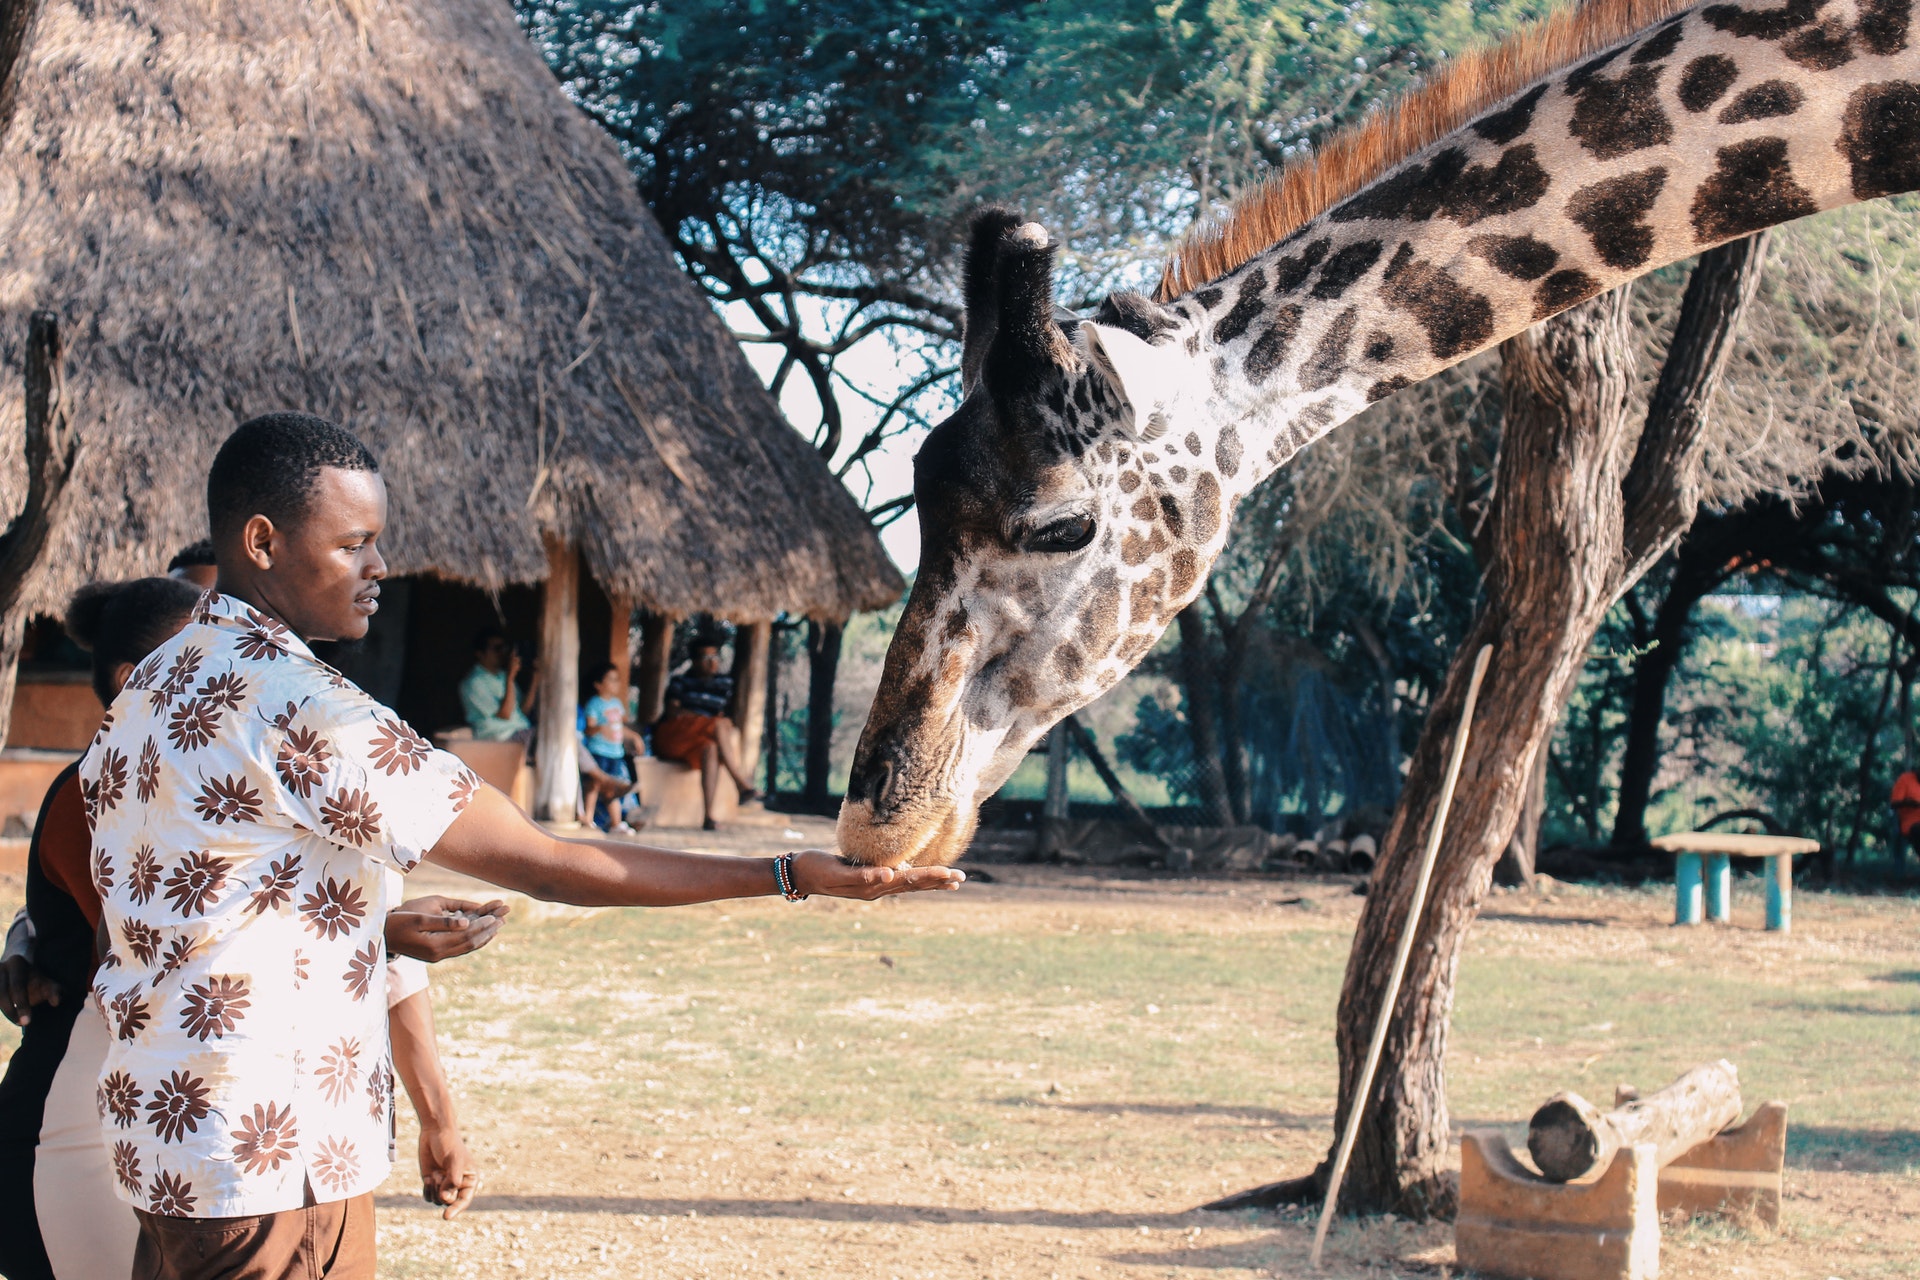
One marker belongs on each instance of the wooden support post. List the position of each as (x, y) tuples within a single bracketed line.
[(772, 730), (1780, 893), (1686, 888), (1055, 808), (1569, 1137), (751, 643), (656, 662), (1735, 1174), (557, 781), (1719, 888), (1515, 1225), (620, 639)]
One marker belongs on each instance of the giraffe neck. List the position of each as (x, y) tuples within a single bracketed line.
[(1708, 126)]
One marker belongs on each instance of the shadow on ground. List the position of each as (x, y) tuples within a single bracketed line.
[(1827, 1148)]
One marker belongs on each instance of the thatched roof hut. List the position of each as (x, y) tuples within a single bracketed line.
[(386, 212)]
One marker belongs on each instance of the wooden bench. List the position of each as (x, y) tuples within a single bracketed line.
[(1716, 847)]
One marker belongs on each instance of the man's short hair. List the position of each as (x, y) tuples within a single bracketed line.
[(269, 466), (194, 555)]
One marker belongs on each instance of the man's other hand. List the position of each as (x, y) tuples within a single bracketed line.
[(435, 928), (817, 871), (448, 1179), (21, 987)]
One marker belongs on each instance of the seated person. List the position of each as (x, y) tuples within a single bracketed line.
[(694, 728), (488, 695), (604, 730)]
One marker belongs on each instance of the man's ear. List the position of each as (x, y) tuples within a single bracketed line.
[(256, 542), (1146, 376)]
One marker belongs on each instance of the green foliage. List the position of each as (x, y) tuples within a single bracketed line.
[(1782, 703)]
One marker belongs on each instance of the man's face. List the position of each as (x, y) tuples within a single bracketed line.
[(323, 573), (706, 661)]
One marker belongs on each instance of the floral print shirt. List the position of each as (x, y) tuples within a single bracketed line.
[(247, 804)]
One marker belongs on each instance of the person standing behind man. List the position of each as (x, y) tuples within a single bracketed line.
[(490, 695), (247, 802)]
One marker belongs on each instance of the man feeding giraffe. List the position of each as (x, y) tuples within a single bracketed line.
[(1075, 501)]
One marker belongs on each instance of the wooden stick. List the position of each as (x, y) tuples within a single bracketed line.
[(1385, 1016)]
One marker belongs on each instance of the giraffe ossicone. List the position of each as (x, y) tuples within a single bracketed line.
[(1076, 499)]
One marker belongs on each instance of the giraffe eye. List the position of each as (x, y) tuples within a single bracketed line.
[(1068, 534)]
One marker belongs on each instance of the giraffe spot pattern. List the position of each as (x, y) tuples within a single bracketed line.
[(1171, 514), (1659, 44), (1751, 187), (1245, 308), (1508, 123), (1447, 186), (1763, 101), (1177, 474), (1143, 601), (1329, 359), (1455, 318), (1129, 481), (1379, 346), (1101, 622), (1193, 443), (1209, 297), (1521, 257), (1561, 290), (1880, 137), (1613, 214), (1226, 453), (1613, 118), (1206, 508), (1883, 25), (1706, 80), (1762, 24), (1821, 48), (1387, 386), (1186, 570), (1270, 348), (1345, 267), (1291, 271)]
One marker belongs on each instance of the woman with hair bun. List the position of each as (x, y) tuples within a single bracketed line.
[(49, 1131), (59, 1216)]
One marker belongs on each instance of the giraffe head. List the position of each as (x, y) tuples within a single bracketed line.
[(1068, 509)]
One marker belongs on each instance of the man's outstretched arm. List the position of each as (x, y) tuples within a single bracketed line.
[(494, 841)]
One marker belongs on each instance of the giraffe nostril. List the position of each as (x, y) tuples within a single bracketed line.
[(880, 790)]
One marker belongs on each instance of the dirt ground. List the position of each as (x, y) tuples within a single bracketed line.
[(1043, 1075)]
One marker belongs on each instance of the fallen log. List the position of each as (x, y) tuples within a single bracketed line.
[(1569, 1136)]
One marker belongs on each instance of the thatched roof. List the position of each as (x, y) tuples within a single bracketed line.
[(386, 212)]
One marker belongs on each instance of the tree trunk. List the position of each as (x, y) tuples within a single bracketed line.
[(1551, 578), (1522, 854), (751, 645), (557, 780), (823, 667), (656, 662), (776, 655), (1572, 528), (1652, 672), (50, 448), (1233, 740), (16, 30), (1197, 673)]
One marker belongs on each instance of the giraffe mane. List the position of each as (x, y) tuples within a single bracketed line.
[(1356, 155)]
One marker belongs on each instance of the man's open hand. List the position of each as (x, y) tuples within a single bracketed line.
[(21, 987), (434, 928), (817, 871)]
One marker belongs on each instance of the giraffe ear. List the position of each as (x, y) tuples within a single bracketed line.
[(1146, 376)]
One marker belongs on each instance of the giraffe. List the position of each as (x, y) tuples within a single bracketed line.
[(1074, 502)]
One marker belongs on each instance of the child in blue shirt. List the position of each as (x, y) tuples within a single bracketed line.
[(607, 738)]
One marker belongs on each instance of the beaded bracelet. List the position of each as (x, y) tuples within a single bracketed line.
[(783, 873)]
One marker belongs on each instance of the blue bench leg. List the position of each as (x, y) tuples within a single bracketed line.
[(1780, 894), (1686, 888), (1719, 887)]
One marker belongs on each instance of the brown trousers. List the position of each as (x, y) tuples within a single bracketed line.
[(321, 1242)]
